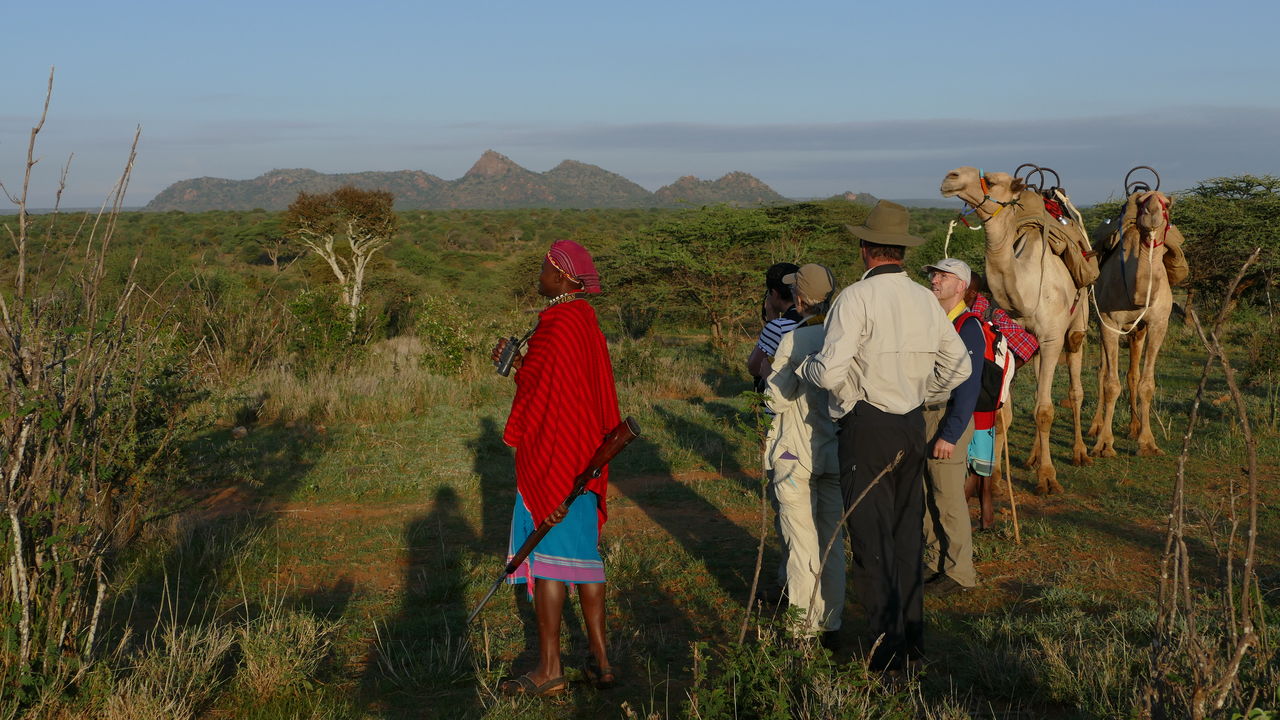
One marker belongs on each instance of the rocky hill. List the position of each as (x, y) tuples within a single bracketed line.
[(736, 188), (494, 182)]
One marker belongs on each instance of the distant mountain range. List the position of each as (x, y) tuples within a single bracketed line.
[(494, 182)]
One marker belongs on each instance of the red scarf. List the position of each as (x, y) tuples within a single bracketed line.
[(565, 404)]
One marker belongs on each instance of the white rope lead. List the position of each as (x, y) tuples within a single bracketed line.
[(1150, 283), (946, 244)]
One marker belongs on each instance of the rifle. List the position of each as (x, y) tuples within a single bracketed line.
[(618, 438)]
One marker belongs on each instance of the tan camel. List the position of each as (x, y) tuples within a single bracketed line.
[(1030, 282), (1134, 298)]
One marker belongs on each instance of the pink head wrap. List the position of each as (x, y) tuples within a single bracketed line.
[(573, 260)]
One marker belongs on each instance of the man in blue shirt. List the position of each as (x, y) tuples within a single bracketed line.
[(948, 534)]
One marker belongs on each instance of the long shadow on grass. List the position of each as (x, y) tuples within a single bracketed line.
[(699, 526), (238, 487), (424, 660), (419, 659), (494, 467), (1206, 564)]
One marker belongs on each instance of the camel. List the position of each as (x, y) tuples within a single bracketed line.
[(1134, 298), (1033, 285)]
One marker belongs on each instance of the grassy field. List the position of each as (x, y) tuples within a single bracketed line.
[(351, 543), (339, 508)]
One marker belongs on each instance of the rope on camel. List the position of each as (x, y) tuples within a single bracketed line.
[(1093, 293)]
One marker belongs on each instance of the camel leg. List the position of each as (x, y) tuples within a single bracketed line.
[(1075, 361), (1108, 393), (1033, 460), (1095, 427), (1046, 474), (1137, 339), (1147, 389)]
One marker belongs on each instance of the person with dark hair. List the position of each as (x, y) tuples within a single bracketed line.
[(778, 312), (888, 349), (565, 404)]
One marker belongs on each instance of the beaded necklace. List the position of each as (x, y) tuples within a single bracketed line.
[(566, 297)]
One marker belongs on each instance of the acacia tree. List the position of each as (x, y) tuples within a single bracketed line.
[(1224, 219), (362, 218), (711, 259)]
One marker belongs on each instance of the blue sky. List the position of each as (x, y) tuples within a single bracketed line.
[(814, 98)]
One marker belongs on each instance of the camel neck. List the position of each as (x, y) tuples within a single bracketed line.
[(999, 230)]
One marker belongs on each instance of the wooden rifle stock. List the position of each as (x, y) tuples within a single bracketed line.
[(618, 438)]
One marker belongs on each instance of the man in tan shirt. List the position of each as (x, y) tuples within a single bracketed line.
[(889, 348)]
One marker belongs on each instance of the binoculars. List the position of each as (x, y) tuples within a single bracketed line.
[(508, 356)]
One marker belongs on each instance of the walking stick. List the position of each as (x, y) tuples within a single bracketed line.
[(1008, 478), (618, 438)]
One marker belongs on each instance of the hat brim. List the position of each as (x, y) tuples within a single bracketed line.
[(789, 279), (862, 232)]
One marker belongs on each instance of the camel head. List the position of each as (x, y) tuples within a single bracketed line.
[(1153, 211), (967, 183)]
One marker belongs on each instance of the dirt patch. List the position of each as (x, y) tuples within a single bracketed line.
[(314, 513), (228, 501)]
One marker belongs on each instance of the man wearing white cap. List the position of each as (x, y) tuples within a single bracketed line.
[(888, 349), (948, 534), (804, 468)]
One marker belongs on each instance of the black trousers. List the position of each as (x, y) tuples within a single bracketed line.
[(886, 530)]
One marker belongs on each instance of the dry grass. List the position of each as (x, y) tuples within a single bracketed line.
[(392, 382), (281, 651), (177, 672), (386, 385)]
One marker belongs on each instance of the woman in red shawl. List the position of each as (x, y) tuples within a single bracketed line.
[(565, 404)]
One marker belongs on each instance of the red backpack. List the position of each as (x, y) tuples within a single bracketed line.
[(997, 370)]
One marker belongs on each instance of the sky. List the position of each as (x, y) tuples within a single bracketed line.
[(813, 98)]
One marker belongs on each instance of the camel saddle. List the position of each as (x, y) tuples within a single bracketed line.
[(1110, 235), (1064, 236)]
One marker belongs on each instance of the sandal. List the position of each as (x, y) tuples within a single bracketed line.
[(602, 678), (524, 685)]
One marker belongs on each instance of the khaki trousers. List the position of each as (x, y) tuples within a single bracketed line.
[(809, 510), (948, 532)]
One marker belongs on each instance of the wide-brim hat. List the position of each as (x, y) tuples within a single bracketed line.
[(886, 225)]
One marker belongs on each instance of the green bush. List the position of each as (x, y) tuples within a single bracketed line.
[(448, 333), (322, 334)]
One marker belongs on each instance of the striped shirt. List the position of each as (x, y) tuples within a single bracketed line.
[(772, 334)]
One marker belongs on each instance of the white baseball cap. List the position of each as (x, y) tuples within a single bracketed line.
[(951, 265)]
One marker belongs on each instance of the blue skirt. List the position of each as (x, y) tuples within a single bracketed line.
[(570, 552), (982, 451)]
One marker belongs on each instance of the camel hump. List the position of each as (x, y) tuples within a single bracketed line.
[(1055, 218)]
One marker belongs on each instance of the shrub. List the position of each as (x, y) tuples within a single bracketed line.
[(322, 334), (450, 337)]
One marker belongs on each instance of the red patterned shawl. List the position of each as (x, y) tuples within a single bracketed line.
[(565, 404)]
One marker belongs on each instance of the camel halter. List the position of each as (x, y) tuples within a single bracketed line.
[(986, 197), (960, 217)]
